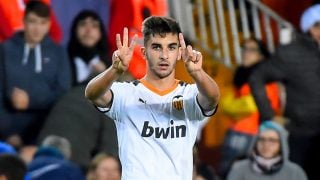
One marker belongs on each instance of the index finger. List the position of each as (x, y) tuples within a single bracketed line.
[(118, 41), (182, 42)]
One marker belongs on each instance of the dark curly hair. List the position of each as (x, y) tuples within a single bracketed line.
[(159, 25)]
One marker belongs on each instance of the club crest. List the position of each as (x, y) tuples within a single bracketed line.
[(177, 102)]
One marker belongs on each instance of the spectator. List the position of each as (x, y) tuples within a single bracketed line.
[(36, 73), (87, 130), (65, 12), (72, 115), (51, 161), (104, 167), (239, 106), (297, 66), (87, 48), (268, 158), (12, 167), (11, 19)]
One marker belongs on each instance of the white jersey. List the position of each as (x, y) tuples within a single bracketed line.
[(156, 130)]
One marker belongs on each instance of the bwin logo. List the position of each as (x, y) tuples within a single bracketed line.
[(173, 131)]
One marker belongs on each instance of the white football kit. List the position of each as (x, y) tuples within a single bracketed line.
[(156, 130)]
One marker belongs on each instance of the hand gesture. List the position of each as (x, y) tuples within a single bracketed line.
[(19, 99), (122, 57), (191, 58)]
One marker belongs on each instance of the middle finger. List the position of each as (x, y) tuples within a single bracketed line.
[(125, 37)]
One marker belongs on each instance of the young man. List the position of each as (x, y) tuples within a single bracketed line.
[(157, 117), (36, 73)]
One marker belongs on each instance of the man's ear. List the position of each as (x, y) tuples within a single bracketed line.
[(143, 52)]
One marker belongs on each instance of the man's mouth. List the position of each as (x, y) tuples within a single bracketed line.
[(163, 65)]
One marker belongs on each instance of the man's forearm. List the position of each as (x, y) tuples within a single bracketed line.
[(259, 93), (98, 86), (209, 93)]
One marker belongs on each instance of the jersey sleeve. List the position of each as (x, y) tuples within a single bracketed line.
[(193, 108), (119, 90)]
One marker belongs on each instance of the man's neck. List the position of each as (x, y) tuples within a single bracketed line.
[(160, 84), (30, 43)]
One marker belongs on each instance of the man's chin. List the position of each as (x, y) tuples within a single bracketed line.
[(36, 40)]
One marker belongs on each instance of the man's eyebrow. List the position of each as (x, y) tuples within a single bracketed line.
[(173, 44), (155, 44)]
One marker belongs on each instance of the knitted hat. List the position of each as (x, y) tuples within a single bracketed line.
[(310, 17), (270, 125)]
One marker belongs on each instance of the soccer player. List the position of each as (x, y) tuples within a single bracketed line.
[(157, 117)]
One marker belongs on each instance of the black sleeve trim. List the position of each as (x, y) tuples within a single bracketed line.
[(203, 111), (111, 102)]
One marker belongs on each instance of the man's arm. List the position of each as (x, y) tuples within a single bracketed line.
[(98, 89), (265, 72), (209, 93)]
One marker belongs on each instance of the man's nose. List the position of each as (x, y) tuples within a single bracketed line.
[(165, 54)]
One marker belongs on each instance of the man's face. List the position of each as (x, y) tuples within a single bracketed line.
[(250, 53), (88, 32), (268, 144), (315, 32), (108, 169), (162, 54), (35, 27)]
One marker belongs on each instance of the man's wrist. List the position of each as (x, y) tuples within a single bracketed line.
[(196, 74)]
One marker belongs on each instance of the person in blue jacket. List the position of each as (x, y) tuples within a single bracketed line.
[(51, 161), (36, 72)]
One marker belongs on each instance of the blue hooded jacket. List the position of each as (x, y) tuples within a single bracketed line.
[(43, 73), (49, 164)]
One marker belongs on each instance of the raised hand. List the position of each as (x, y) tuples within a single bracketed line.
[(191, 58), (122, 57)]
